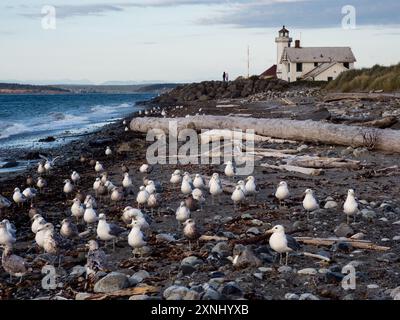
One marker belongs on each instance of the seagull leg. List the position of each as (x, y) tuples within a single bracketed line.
[(348, 219), (287, 256), (113, 245), (280, 258), (190, 246)]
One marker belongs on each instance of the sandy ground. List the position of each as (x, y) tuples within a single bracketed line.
[(377, 271)]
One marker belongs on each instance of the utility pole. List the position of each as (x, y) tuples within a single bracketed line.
[(248, 62)]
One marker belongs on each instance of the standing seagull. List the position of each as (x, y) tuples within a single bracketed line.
[(310, 204), (136, 238), (41, 183), (281, 242), (14, 265), (187, 185), (350, 207), (41, 169), (37, 223), (75, 177), (108, 152), (237, 197), (191, 231), (145, 168), (30, 194), (182, 213), (98, 167), (77, 209), (282, 192), (68, 229), (142, 196), (251, 187), (108, 231), (4, 203), (230, 170), (90, 215), (215, 187), (96, 259), (68, 187), (127, 181), (18, 197), (6, 237), (198, 182), (176, 177)]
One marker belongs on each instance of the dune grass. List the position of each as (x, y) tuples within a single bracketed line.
[(368, 79)]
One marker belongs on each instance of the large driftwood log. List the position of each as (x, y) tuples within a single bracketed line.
[(360, 244), (314, 131), (322, 162), (306, 171)]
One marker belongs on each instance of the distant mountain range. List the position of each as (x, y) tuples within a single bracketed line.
[(157, 88)]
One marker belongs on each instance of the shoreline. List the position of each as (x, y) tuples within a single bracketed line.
[(164, 260)]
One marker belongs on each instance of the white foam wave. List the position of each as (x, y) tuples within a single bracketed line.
[(11, 129)]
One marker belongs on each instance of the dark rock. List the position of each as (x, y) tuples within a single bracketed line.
[(231, 289), (244, 257), (222, 249), (344, 230), (48, 139), (114, 281), (10, 164), (333, 277)]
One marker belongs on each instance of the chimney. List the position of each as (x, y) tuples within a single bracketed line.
[(297, 44)]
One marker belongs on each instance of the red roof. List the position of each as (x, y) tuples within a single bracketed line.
[(270, 73)]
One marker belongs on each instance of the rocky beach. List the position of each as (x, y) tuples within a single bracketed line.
[(232, 260)]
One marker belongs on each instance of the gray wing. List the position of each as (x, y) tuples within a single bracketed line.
[(292, 243), (115, 230), (43, 157)]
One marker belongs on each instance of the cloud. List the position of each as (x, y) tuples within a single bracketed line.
[(306, 13)]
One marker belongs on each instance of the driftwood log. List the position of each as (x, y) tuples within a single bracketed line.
[(314, 131)]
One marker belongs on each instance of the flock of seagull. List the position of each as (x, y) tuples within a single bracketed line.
[(84, 211)]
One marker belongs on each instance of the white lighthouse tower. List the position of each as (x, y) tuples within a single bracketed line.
[(282, 42)]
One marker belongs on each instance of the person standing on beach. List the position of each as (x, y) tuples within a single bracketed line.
[(224, 76)]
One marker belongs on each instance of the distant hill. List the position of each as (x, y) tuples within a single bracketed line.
[(368, 79), (142, 88), (14, 88)]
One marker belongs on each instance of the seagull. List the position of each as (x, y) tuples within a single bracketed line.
[(127, 181), (150, 187), (108, 152), (142, 196), (77, 209), (117, 195), (96, 259), (69, 229), (282, 192), (124, 168), (104, 177), (40, 233), (128, 213), (75, 177), (187, 185), (310, 203), (136, 238), (350, 207), (18, 197), (182, 213), (230, 170), (6, 237), (30, 193), (107, 231), (90, 215), (215, 186), (145, 168), (98, 167), (126, 129), (10, 228), (186, 175), (281, 242), (33, 211), (191, 231), (53, 243), (29, 181), (153, 202), (176, 177), (68, 187), (41, 169), (41, 183), (242, 186), (90, 200), (109, 185), (50, 162), (4, 203), (251, 187), (14, 265), (198, 182), (237, 196), (37, 223), (197, 195)]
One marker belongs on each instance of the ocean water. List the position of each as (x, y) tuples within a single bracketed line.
[(25, 119)]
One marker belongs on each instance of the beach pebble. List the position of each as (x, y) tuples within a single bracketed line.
[(254, 231), (256, 222), (308, 296), (244, 257), (192, 260), (246, 216), (390, 257), (372, 286), (258, 275), (82, 295), (222, 249), (165, 237), (114, 281), (264, 269), (140, 297), (174, 291), (78, 271), (211, 294), (231, 289), (307, 271), (138, 277), (358, 236), (344, 230), (396, 238), (284, 269), (368, 214), (331, 205), (292, 296)]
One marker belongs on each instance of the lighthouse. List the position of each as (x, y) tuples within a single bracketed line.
[(282, 42)]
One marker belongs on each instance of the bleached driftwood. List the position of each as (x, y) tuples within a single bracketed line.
[(125, 293), (316, 256), (360, 244), (379, 123), (322, 162), (306, 171), (206, 238), (314, 131)]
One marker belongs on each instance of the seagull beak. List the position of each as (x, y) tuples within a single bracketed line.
[(270, 231)]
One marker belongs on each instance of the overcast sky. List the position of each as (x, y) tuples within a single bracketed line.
[(181, 40)]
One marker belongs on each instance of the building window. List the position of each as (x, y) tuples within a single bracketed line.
[(315, 64), (299, 67), (330, 79), (346, 65)]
